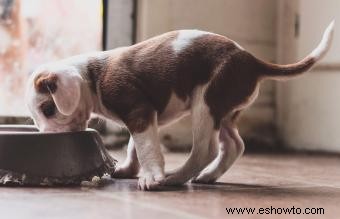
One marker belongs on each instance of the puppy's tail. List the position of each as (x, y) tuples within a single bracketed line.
[(282, 72)]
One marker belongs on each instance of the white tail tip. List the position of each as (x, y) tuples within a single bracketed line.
[(325, 43)]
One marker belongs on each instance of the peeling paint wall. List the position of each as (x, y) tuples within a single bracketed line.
[(38, 31)]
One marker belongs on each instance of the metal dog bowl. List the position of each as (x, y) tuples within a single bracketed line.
[(29, 157)]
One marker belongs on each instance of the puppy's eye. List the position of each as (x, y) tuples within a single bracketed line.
[(48, 109)]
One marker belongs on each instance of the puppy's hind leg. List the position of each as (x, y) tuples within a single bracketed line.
[(212, 153), (130, 168), (231, 147), (203, 129), (213, 146)]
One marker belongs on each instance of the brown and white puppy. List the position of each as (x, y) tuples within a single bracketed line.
[(156, 82)]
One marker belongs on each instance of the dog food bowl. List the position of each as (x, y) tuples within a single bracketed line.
[(32, 158)]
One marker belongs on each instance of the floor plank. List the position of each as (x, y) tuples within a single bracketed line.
[(255, 181)]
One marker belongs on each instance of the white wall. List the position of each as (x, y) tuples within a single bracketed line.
[(309, 107), (119, 23)]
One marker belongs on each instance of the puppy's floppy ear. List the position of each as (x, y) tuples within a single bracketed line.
[(65, 89)]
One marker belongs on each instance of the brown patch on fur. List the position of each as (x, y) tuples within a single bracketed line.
[(234, 82), (94, 68), (46, 83), (140, 79)]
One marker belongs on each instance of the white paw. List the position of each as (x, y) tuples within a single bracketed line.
[(206, 177), (170, 172), (126, 172), (148, 181), (174, 180)]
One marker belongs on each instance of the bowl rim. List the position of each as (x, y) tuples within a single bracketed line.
[(30, 131)]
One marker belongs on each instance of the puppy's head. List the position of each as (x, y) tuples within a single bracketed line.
[(54, 98)]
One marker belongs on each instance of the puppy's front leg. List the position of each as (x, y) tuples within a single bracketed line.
[(150, 156)]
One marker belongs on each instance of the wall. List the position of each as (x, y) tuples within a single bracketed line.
[(120, 23), (251, 23), (309, 107)]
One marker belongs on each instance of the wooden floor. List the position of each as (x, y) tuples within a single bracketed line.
[(255, 181)]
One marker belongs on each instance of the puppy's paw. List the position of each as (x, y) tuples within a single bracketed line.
[(125, 172), (150, 181), (173, 180), (170, 172), (204, 179)]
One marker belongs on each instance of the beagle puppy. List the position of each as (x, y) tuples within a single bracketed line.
[(154, 83)]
